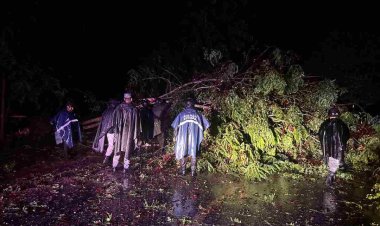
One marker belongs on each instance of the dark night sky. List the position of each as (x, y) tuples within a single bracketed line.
[(87, 40)]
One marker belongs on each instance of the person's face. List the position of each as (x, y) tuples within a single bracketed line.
[(69, 108), (128, 100)]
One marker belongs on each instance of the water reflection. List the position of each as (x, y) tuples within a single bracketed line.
[(329, 201), (125, 183), (184, 200)]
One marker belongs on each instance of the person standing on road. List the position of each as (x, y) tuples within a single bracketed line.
[(189, 126), (333, 135), (105, 129), (127, 131), (67, 128)]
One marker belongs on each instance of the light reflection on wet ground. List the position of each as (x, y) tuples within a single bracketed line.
[(281, 201), (149, 197), (219, 200), (184, 201)]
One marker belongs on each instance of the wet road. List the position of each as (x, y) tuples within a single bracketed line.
[(82, 191)]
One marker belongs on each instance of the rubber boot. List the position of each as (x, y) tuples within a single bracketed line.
[(183, 167), (193, 167), (333, 178), (65, 151), (330, 179), (107, 160)]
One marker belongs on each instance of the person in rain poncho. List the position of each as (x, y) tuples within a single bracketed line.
[(147, 123), (333, 135), (161, 121), (127, 131), (188, 126), (105, 129), (67, 128)]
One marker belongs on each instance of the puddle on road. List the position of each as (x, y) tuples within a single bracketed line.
[(282, 201), (184, 201), (220, 200)]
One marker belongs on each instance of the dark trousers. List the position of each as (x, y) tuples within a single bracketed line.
[(161, 138), (65, 150)]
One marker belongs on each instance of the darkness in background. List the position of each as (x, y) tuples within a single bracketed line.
[(92, 45)]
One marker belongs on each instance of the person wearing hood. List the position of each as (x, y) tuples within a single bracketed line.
[(189, 126), (67, 128), (105, 129), (333, 135), (127, 130)]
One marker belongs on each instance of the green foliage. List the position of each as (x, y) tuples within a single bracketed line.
[(350, 119), (366, 155), (259, 133), (266, 131), (204, 165), (267, 121), (314, 123), (265, 115), (294, 79), (375, 195), (324, 95), (253, 132), (377, 128), (270, 82)]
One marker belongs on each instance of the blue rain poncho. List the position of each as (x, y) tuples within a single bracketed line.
[(67, 128), (189, 126)]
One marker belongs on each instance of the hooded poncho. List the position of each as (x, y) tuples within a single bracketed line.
[(105, 126), (127, 128), (333, 135), (67, 128), (189, 126), (160, 112)]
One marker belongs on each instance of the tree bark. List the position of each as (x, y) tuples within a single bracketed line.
[(2, 111)]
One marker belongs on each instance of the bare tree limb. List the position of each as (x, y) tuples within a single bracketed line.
[(186, 85)]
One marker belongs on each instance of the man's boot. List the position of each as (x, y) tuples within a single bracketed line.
[(193, 172), (107, 160), (65, 151), (193, 167), (333, 178), (330, 179), (183, 167)]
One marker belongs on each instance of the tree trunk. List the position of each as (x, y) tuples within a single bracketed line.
[(2, 111)]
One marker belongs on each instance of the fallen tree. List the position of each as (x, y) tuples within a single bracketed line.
[(265, 117)]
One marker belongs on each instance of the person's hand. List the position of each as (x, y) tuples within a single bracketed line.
[(151, 99), (139, 143)]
